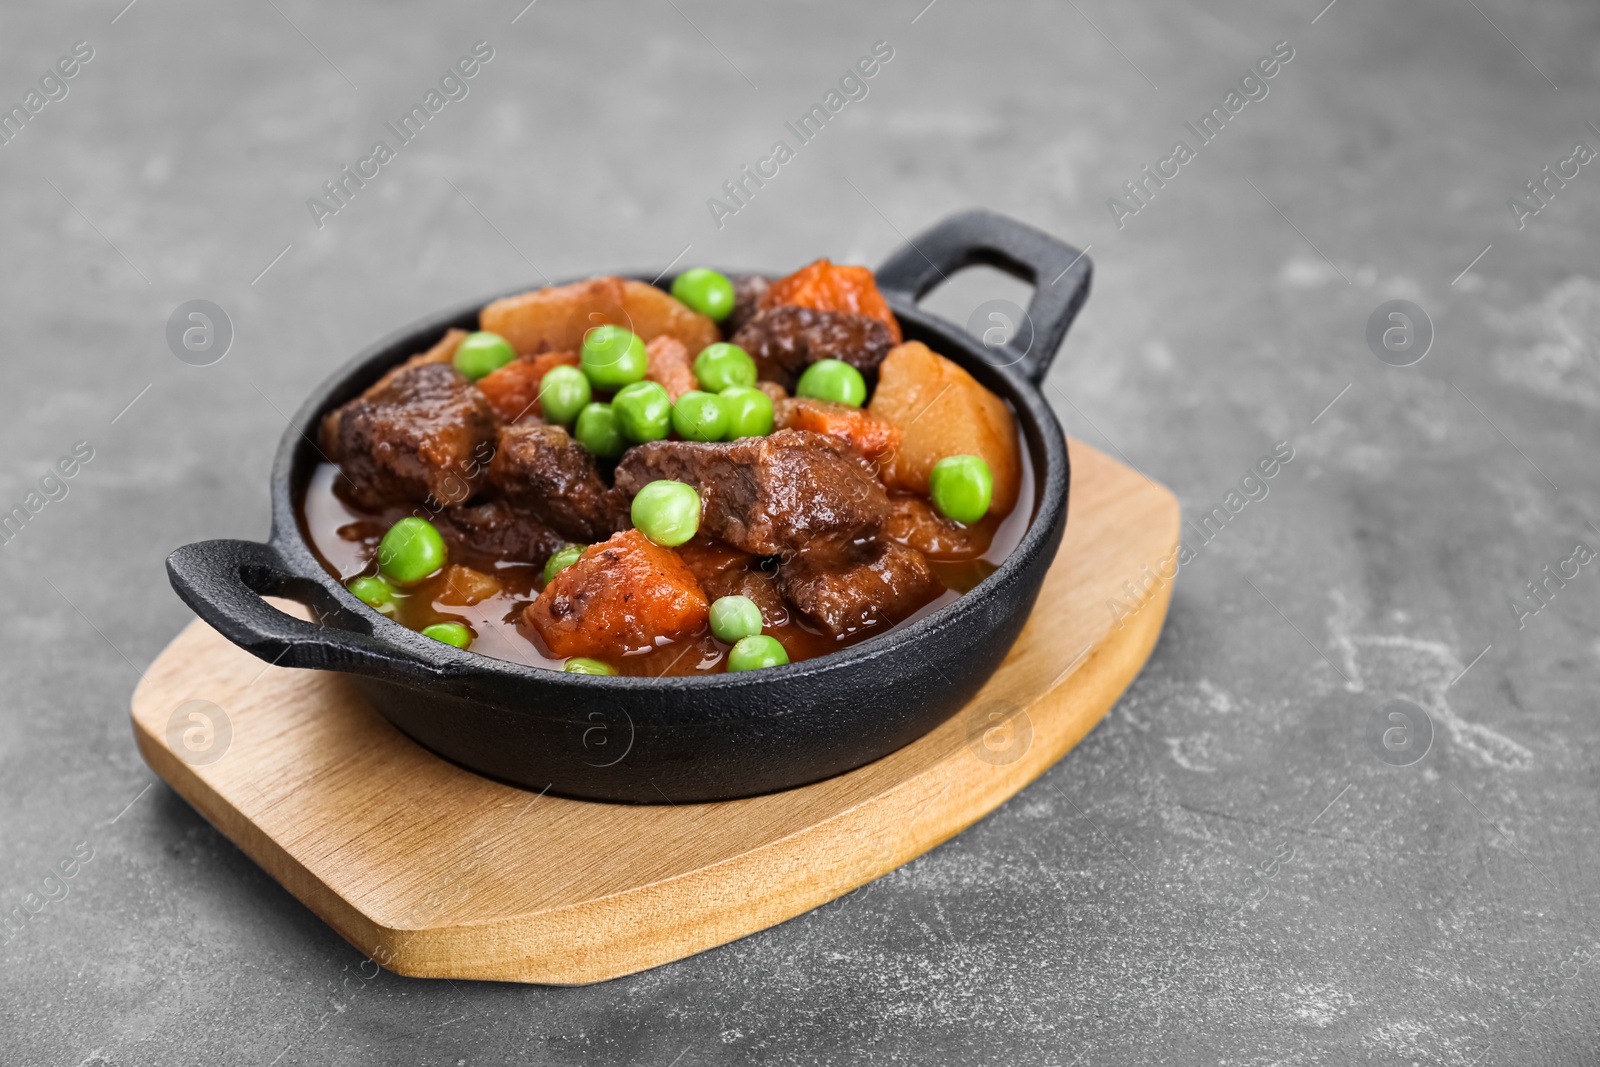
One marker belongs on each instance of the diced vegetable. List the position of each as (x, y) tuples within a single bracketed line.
[(826, 286), (749, 412), (699, 416), (644, 411), (705, 291), (482, 353), (667, 512), (600, 431), (464, 586), (961, 487), (451, 633), (871, 436), (734, 618), (613, 357), (653, 313), (410, 551), (563, 394), (833, 379), (556, 319), (444, 351), (669, 366), (753, 653), (560, 560), (623, 595), (374, 592), (722, 365), (513, 390), (585, 665), (941, 410)]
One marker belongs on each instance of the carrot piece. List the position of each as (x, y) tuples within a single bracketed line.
[(825, 286), (513, 390), (621, 596), (873, 437), (670, 366)]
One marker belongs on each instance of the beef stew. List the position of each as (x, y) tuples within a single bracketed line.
[(812, 521)]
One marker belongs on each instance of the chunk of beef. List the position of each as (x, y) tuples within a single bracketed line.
[(887, 585), (723, 570), (709, 558), (758, 586), (914, 522), (621, 596), (499, 531), (748, 291), (773, 495), (785, 340), (418, 436), (542, 470)]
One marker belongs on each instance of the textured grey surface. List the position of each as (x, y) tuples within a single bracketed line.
[(1223, 871)]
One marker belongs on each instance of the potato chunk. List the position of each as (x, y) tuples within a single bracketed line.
[(655, 313), (463, 586), (622, 596), (555, 319), (941, 411)]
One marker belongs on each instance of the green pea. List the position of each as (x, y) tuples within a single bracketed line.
[(451, 633), (749, 412), (644, 411), (705, 291), (563, 391), (585, 665), (600, 431), (374, 592), (720, 366), (961, 487), (613, 357), (699, 416), (833, 379), (734, 618), (667, 512), (410, 551), (560, 560), (756, 651), (483, 353)]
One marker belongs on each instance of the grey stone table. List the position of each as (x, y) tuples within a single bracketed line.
[(1233, 867)]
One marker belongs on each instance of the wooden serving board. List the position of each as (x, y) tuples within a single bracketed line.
[(434, 871)]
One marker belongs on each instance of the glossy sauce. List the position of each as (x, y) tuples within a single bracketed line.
[(345, 538)]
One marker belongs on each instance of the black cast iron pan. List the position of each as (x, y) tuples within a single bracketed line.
[(653, 740)]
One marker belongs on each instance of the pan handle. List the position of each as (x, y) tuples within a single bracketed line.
[(224, 582), (1059, 274)]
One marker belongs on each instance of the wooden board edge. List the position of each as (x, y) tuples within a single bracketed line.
[(347, 920), (659, 923)]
